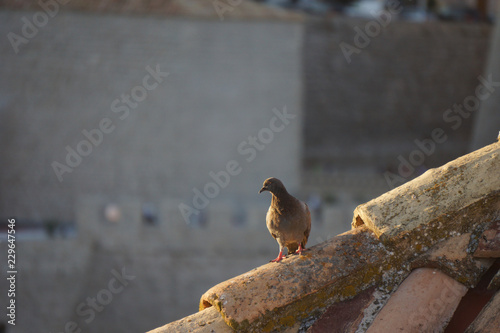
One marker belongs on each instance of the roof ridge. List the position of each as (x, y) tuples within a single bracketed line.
[(442, 219)]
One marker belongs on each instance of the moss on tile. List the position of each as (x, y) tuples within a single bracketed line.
[(386, 270), (287, 321), (314, 304)]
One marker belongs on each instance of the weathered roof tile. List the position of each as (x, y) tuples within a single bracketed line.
[(204, 321), (443, 225), (495, 282), (424, 302), (488, 321), (451, 257), (489, 242), (277, 295), (427, 202), (345, 316)]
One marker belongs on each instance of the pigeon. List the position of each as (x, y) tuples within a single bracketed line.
[(288, 219)]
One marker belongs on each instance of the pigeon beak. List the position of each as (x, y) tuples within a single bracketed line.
[(263, 189)]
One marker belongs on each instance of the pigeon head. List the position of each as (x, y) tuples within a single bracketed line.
[(273, 185)]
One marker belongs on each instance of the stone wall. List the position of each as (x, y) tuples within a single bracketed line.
[(369, 96), (223, 86), (161, 135)]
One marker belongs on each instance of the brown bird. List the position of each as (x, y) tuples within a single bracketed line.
[(288, 219)]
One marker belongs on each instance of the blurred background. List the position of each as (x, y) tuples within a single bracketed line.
[(136, 135)]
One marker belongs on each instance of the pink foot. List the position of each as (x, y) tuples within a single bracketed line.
[(278, 259), (300, 250)]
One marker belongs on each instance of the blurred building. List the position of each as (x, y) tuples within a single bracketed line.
[(136, 139), (413, 10)]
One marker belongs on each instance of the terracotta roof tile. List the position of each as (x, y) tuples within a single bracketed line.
[(277, 295), (438, 225), (451, 257), (495, 282), (204, 321), (488, 320), (472, 303), (424, 302), (345, 316), (426, 203), (489, 242)]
